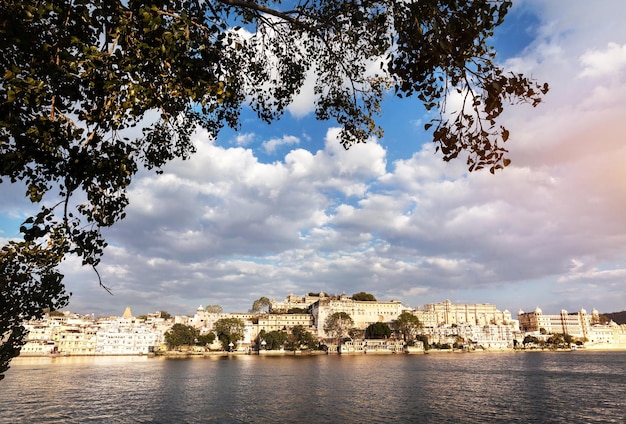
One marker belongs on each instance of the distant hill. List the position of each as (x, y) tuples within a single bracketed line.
[(618, 317)]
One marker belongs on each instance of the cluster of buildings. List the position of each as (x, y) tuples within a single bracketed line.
[(72, 334), (580, 325), (444, 323)]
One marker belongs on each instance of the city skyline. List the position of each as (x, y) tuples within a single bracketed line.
[(128, 310), (283, 208)]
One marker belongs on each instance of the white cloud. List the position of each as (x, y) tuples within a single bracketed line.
[(602, 63), (271, 145), (244, 139)]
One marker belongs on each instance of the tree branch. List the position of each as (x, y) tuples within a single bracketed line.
[(260, 8)]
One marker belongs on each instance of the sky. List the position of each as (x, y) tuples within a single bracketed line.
[(277, 209)]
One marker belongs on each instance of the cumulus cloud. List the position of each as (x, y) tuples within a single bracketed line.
[(602, 63), (272, 144), (225, 227), (244, 139)]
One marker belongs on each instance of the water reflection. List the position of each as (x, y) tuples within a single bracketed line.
[(529, 387)]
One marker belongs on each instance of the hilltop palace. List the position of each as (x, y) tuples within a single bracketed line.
[(473, 326)]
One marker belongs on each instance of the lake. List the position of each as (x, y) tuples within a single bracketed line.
[(530, 387)]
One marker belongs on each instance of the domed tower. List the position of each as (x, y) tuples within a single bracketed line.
[(595, 316), (584, 322)]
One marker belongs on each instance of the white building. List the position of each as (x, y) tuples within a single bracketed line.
[(363, 313), (580, 325), (126, 340), (448, 313)]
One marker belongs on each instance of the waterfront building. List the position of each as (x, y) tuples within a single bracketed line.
[(70, 334), (576, 325), (584, 327), (363, 313), (122, 340), (279, 322), (77, 340), (375, 346), (38, 347), (490, 336), (448, 313)]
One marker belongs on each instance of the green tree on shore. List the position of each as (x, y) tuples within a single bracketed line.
[(407, 325), (378, 330), (181, 335), (229, 330), (300, 338), (338, 325), (206, 339), (274, 340)]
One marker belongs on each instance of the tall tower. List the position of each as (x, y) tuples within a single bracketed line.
[(127, 313)]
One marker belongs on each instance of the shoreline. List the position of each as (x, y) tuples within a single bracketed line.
[(183, 355)]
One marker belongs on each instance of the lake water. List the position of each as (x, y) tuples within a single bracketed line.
[(564, 387)]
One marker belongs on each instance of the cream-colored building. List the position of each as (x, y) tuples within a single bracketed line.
[(126, 340), (490, 336), (70, 334), (77, 340), (38, 347), (363, 313), (280, 322), (295, 302), (579, 325), (576, 325), (448, 313)]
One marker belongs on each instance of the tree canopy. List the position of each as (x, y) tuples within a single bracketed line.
[(362, 296), (274, 340), (378, 330), (181, 335), (407, 324), (229, 330), (214, 309), (165, 315), (91, 91), (262, 304), (337, 325), (300, 338), (206, 339)]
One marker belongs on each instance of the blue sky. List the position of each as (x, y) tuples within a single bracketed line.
[(282, 208)]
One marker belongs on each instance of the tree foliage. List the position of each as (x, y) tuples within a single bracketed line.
[(206, 339), (297, 311), (378, 330), (337, 325), (165, 315), (274, 340), (214, 309), (407, 324), (181, 335), (91, 91), (362, 296), (229, 330), (262, 304), (424, 339), (300, 338)]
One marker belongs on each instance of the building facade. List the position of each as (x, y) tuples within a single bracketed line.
[(363, 313), (448, 313)]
